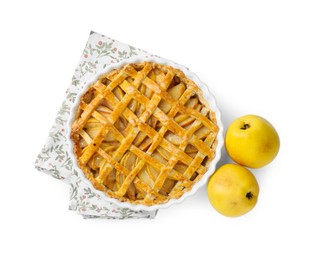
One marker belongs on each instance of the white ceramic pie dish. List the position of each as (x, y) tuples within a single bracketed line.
[(206, 94)]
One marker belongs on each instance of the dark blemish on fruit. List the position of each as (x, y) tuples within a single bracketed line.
[(249, 195)]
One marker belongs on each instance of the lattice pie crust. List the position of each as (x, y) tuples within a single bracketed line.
[(143, 133)]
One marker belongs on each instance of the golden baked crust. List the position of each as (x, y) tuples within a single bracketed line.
[(143, 133)]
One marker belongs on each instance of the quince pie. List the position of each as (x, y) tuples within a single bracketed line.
[(144, 134)]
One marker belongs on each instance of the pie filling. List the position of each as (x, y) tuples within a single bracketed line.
[(143, 133)]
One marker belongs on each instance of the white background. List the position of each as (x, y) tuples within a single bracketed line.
[(258, 57)]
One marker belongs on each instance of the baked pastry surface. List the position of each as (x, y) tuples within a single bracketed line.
[(144, 134)]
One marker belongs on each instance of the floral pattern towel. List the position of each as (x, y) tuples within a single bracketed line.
[(100, 51)]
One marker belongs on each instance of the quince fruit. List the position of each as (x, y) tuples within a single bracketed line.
[(252, 141), (233, 190)]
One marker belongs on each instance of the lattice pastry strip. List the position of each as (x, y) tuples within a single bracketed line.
[(144, 133)]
